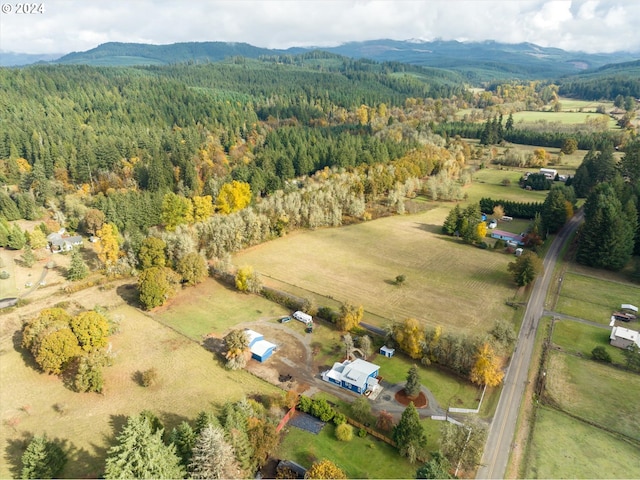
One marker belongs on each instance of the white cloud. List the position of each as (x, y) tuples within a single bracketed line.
[(73, 25)]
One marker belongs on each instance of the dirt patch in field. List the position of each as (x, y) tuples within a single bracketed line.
[(419, 402)]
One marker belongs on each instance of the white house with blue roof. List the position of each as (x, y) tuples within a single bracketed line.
[(358, 376)]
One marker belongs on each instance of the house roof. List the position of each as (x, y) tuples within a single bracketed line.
[(386, 349), (358, 371), (502, 233), (626, 334)]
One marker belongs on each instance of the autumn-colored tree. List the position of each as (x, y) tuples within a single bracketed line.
[(108, 248), (569, 146), (93, 220), (56, 350), (363, 114), (236, 343), (152, 253), (91, 329), (498, 212), (325, 469), (344, 432), (385, 421), (486, 369), (233, 196), (350, 316), (202, 208), (481, 230), (37, 239), (176, 210), (193, 268), (247, 280), (409, 335), (156, 285)]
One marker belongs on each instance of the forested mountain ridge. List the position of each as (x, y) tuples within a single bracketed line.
[(608, 81), (476, 61), (118, 53)]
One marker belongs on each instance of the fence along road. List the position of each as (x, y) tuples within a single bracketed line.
[(503, 426)]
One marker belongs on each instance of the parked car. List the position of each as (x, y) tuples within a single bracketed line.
[(285, 319), (623, 317), (493, 223)]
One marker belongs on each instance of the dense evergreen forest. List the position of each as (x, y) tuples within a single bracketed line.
[(179, 151)]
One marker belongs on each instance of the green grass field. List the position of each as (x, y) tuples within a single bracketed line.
[(576, 337), (8, 285), (563, 117), (462, 288), (563, 447), (593, 298), (190, 380), (596, 392), (488, 183), (213, 307), (382, 460)]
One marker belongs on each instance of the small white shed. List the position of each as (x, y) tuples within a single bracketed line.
[(386, 351), (303, 317)]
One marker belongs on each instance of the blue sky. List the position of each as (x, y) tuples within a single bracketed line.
[(76, 25)]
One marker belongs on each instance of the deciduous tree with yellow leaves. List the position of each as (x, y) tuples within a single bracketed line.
[(486, 369), (233, 196)]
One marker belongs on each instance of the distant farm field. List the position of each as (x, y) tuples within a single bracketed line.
[(574, 105), (460, 287), (190, 380), (593, 298), (488, 183), (563, 447), (595, 392), (567, 118)]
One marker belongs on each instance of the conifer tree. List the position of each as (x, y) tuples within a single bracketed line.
[(77, 267), (42, 459), (141, 453), (212, 457), (409, 434)]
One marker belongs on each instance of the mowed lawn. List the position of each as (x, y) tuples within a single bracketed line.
[(190, 380), (448, 283), (215, 308), (360, 458), (579, 338), (596, 392), (594, 298), (563, 447), (488, 183), (567, 118)]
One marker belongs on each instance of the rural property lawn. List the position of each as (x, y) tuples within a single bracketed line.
[(576, 337), (448, 283), (596, 392), (215, 308), (563, 447), (190, 380), (360, 458), (593, 298)]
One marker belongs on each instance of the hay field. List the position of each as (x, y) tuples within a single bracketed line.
[(596, 392), (447, 283), (190, 380), (563, 447)]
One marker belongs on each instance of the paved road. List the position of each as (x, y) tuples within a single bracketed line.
[(503, 426)]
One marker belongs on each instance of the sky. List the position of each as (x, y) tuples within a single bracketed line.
[(76, 25)]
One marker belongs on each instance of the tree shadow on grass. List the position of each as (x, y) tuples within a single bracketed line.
[(129, 293), (14, 450), (427, 227)]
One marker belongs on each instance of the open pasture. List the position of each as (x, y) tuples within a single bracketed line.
[(521, 119), (593, 298), (190, 379), (460, 287), (488, 183), (595, 392), (8, 285), (563, 447), (575, 105), (212, 307)]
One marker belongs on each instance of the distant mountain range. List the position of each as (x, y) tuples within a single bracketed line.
[(11, 59), (476, 61)]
